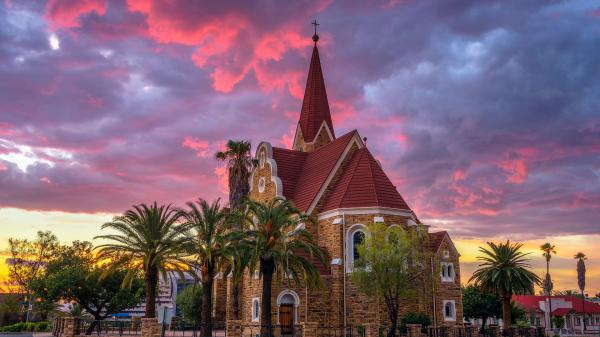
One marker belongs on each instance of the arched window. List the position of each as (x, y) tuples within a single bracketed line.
[(261, 185), (357, 239), (255, 309), (449, 310), (447, 272), (354, 237)]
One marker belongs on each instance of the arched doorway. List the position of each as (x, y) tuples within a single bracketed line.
[(287, 311)]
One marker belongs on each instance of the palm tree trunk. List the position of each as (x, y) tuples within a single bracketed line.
[(549, 291), (506, 311), (583, 305), (206, 314), (267, 268), (151, 279)]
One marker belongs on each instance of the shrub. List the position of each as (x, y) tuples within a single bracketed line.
[(416, 318), (27, 327)]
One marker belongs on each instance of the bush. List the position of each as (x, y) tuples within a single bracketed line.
[(416, 318), (27, 327)]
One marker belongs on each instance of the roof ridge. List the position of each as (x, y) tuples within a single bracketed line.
[(351, 177)]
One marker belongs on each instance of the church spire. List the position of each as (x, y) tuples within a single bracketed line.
[(315, 128)]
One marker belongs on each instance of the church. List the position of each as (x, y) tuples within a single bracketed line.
[(335, 179)]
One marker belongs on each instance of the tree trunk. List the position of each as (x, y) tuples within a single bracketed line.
[(235, 301), (151, 279), (506, 311), (583, 305), (267, 268), (393, 315), (93, 324), (206, 314)]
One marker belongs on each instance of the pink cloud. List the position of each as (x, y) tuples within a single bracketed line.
[(3, 167), (66, 13), (517, 170), (198, 145)]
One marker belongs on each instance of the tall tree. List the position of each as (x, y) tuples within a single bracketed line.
[(212, 244), (504, 271), (75, 275), (27, 262), (150, 239), (277, 243), (391, 262), (580, 257), (239, 163), (548, 249), (480, 304)]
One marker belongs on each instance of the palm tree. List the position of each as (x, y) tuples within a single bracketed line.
[(239, 165), (580, 257), (149, 239), (504, 271), (211, 243), (547, 285), (277, 242)]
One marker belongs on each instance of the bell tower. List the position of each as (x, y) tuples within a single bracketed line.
[(315, 128)]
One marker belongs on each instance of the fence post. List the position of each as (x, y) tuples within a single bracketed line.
[(414, 330), (70, 327), (233, 328), (309, 329), (151, 328)]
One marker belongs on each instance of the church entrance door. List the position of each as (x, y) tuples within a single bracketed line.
[(286, 319)]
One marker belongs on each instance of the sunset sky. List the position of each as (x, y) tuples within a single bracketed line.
[(485, 114)]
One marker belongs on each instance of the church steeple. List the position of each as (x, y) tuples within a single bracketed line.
[(315, 128)]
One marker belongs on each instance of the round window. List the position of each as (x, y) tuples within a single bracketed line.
[(261, 185)]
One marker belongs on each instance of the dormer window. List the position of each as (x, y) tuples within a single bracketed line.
[(447, 272), (261, 159)]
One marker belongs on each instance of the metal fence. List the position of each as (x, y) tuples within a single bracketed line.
[(194, 330), (109, 327)]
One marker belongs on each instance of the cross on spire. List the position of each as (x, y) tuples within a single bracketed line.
[(315, 37)]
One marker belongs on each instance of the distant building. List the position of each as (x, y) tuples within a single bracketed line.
[(570, 307), (166, 301)]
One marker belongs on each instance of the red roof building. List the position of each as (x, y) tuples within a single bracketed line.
[(573, 308)]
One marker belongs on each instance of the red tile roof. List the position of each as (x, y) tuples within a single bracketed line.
[(303, 173), (532, 302), (364, 184), (436, 239), (315, 107)]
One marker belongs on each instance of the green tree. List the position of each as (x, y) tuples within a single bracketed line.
[(27, 261), (149, 239), (391, 262), (504, 271), (277, 243), (189, 301), (480, 304), (239, 163), (548, 249), (76, 276), (212, 244), (580, 257)]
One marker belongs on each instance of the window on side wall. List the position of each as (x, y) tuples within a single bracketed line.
[(256, 309), (449, 310), (447, 271)]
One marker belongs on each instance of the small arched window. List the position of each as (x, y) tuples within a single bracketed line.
[(357, 239), (255, 309), (261, 185), (449, 310)]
